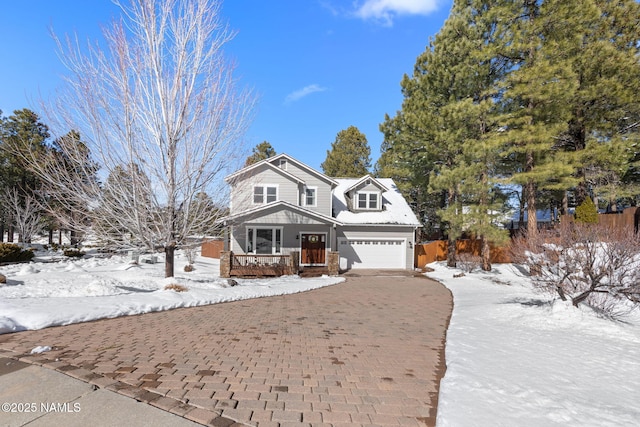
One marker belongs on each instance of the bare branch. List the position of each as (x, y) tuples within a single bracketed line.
[(591, 264), (157, 107)]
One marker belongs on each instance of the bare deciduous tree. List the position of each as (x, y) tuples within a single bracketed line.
[(157, 103), (584, 263), (26, 213)]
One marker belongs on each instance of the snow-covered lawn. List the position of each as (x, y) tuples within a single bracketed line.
[(516, 358), (42, 294)]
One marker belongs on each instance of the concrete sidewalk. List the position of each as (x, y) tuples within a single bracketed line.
[(39, 397), (369, 351)]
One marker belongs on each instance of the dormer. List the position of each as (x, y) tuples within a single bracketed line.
[(365, 195)]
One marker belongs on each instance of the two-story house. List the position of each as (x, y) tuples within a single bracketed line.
[(280, 205)]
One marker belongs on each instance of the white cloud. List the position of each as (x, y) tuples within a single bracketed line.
[(301, 93), (385, 10)]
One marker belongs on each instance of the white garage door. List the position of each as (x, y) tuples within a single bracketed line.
[(372, 253)]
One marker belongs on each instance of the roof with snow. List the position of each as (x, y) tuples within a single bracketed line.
[(395, 208)]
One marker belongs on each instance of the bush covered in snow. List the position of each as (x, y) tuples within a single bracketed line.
[(10, 252), (73, 253), (584, 263)]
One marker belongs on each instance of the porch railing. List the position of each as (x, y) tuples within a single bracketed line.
[(261, 265)]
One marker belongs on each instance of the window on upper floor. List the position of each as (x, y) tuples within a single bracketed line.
[(283, 164), (265, 194), (368, 200), (310, 196)]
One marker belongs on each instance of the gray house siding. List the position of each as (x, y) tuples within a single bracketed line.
[(243, 191), (323, 195), (288, 190)]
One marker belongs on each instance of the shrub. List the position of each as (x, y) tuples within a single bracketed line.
[(587, 212), (189, 268), (585, 264), (10, 252), (73, 253), (176, 288), (468, 262)]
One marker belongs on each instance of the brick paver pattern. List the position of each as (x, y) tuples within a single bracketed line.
[(364, 352)]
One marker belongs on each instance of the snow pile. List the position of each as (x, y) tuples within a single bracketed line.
[(42, 294), (518, 358)]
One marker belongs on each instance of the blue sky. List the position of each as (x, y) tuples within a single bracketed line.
[(318, 66)]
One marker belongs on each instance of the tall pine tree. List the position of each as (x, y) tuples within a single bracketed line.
[(262, 151), (350, 155)]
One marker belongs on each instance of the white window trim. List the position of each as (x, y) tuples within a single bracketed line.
[(315, 196), (283, 164), (368, 202), (264, 193), (253, 230)]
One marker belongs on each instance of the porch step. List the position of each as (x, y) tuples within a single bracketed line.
[(314, 271)]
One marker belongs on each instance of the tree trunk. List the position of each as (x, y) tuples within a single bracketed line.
[(565, 204), (451, 248), (451, 252), (1, 232), (486, 254), (51, 236), (532, 220), (521, 212), (169, 254), (10, 234)]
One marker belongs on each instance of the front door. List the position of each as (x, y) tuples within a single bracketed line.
[(313, 249)]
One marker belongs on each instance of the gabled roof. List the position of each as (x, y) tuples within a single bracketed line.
[(266, 163), (304, 166), (396, 210), (373, 180), (271, 163), (280, 205)]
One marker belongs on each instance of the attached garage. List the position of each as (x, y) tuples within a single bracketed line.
[(372, 253)]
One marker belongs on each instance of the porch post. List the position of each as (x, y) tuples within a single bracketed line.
[(225, 264), (225, 236)]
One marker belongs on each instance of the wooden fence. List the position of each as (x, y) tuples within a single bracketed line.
[(212, 248), (437, 251)]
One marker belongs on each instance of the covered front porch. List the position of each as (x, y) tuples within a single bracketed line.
[(249, 265), (280, 239)]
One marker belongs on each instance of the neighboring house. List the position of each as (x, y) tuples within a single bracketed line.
[(280, 205)]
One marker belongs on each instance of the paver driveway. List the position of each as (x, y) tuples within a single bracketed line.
[(368, 351)]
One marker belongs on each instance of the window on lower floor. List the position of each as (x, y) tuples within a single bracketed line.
[(264, 240)]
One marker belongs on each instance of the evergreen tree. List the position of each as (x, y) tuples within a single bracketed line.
[(125, 205), (605, 107), (262, 151), (20, 133), (444, 123), (350, 155), (77, 169), (535, 95), (587, 212), (404, 159)]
